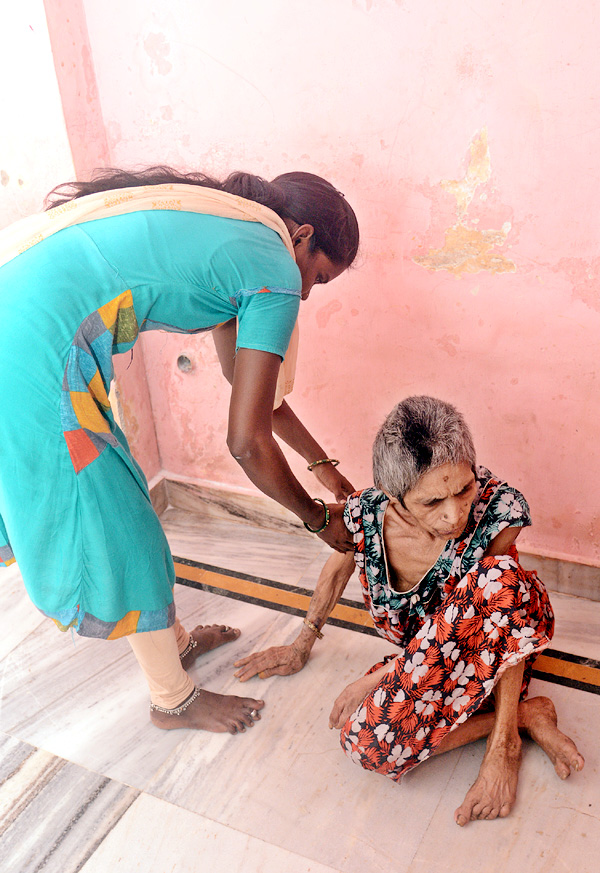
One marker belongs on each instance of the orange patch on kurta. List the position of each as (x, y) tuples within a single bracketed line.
[(81, 449)]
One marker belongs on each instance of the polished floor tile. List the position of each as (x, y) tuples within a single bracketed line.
[(284, 556), (53, 814), (282, 795), (156, 837), (19, 615), (240, 547)]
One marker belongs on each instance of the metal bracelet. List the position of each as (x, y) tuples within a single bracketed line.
[(333, 461), (325, 523), (313, 628), (189, 648)]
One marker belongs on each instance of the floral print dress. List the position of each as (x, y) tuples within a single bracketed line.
[(467, 620)]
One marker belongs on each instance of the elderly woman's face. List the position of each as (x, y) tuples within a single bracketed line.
[(441, 500)]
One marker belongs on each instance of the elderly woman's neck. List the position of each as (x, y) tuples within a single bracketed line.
[(397, 509)]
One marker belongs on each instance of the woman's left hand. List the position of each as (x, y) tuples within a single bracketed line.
[(329, 477), (350, 698)]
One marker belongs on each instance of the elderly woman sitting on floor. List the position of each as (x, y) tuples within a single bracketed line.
[(440, 574)]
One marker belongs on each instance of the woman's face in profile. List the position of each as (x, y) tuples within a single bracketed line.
[(441, 500), (316, 269)]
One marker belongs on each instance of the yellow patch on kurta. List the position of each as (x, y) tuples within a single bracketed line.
[(96, 386), (87, 413), (109, 312), (127, 625)]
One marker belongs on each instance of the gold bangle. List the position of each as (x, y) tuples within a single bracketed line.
[(333, 461), (313, 628)]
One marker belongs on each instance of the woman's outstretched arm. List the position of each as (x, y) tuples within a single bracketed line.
[(250, 441), (285, 660), (286, 423)]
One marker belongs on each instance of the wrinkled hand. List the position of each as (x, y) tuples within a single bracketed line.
[(336, 534), (350, 698), (329, 477), (278, 660)]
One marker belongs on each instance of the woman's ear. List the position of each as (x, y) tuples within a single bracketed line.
[(302, 234)]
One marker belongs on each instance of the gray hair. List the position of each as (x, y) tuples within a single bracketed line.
[(420, 433)]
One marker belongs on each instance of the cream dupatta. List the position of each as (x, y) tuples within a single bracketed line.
[(27, 232)]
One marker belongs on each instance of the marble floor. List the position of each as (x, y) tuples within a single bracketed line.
[(88, 784)]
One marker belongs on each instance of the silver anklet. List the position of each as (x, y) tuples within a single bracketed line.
[(181, 708), (189, 648)]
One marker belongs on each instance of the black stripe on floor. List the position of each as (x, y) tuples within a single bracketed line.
[(560, 668)]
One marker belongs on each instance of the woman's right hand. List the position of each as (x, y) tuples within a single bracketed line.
[(329, 476), (278, 660)]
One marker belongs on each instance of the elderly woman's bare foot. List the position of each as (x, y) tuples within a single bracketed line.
[(218, 713), (493, 793), (538, 718), (207, 638)]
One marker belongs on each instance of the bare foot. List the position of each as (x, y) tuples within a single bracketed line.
[(538, 718), (212, 712), (209, 637), (493, 793)]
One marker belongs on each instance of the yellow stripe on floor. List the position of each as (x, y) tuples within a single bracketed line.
[(263, 591), (355, 615), (567, 669)]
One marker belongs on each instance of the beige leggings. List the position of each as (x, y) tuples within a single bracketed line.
[(157, 653)]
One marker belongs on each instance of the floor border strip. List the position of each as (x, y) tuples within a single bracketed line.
[(553, 665)]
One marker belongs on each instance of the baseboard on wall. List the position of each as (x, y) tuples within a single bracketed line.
[(219, 503), (159, 496), (567, 577)]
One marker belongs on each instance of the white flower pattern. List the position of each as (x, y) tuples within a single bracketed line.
[(469, 619)]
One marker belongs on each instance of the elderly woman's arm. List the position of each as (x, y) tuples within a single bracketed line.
[(353, 695), (503, 541), (286, 423), (285, 660)]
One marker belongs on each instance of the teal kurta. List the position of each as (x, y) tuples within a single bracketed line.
[(74, 505)]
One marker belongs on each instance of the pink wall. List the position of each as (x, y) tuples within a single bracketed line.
[(76, 79), (34, 146), (466, 136)]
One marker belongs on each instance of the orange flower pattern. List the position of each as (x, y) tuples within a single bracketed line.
[(468, 620)]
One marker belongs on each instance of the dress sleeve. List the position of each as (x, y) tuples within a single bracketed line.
[(255, 272), (353, 521), (507, 508), (266, 320), (352, 513)]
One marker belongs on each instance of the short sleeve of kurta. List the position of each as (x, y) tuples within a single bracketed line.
[(266, 321), (507, 508), (260, 277)]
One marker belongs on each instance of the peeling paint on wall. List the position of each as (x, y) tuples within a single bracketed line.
[(478, 173), (585, 276), (468, 249), (157, 48), (325, 312)]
